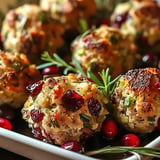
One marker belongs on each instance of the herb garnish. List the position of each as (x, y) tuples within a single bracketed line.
[(106, 85), (144, 151)]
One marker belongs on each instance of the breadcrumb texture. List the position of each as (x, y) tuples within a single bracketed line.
[(136, 100), (30, 30), (60, 124), (105, 47), (15, 74)]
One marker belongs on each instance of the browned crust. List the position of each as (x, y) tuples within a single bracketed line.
[(139, 79)]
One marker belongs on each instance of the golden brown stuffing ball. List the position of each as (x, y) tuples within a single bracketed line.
[(69, 12), (15, 74), (140, 19), (136, 100), (65, 108), (30, 30), (104, 47)]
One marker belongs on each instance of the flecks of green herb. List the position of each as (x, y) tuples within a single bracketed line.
[(151, 118), (144, 151), (55, 123), (84, 117), (23, 22), (87, 125), (41, 17), (127, 102)]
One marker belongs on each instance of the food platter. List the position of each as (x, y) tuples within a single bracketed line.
[(22, 142)]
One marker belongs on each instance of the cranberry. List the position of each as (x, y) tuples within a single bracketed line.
[(37, 132), (130, 140), (35, 88), (146, 106), (158, 124), (94, 106), (50, 70), (105, 21), (7, 112), (4, 123), (149, 60), (72, 101), (110, 129), (120, 19), (86, 78), (37, 115), (73, 146)]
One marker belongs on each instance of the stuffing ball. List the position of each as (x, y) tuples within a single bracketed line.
[(136, 100), (15, 74), (65, 108), (104, 47), (140, 19), (69, 12), (30, 30)]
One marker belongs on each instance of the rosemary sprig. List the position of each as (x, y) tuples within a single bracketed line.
[(58, 61), (144, 151), (106, 85)]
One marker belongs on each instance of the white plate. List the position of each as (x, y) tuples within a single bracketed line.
[(38, 150)]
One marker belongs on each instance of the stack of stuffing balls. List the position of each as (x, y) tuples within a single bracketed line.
[(72, 108)]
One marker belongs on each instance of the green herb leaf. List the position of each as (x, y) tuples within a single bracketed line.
[(144, 151), (84, 117)]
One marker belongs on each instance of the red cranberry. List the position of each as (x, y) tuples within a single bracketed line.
[(105, 21), (149, 60), (37, 115), (72, 101), (158, 124), (86, 78), (50, 70), (94, 106), (7, 112), (73, 146), (120, 19), (35, 88), (130, 140), (146, 106), (37, 132), (110, 129), (4, 123)]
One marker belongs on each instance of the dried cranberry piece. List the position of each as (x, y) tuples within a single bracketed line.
[(73, 146), (120, 19), (37, 115), (146, 106), (35, 88), (72, 101), (86, 135), (94, 106), (37, 132)]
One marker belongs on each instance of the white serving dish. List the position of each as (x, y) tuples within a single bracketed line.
[(38, 150)]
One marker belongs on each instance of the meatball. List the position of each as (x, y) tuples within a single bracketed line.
[(15, 74), (104, 47), (140, 19), (65, 108), (69, 12), (30, 30), (136, 100)]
